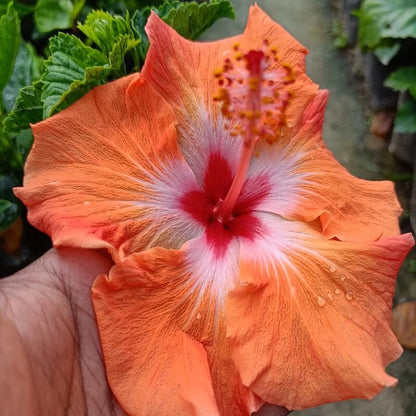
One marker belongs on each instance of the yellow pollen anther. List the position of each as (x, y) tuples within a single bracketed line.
[(239, 56), (218, 72), (253, 83), (249, 114), (290, 76), (267, 100), (253, 96)]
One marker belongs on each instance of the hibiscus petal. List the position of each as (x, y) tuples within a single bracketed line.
[(311, 322), (106, 172), (163, 336), (305, 182), (153, 368), (183, 73)]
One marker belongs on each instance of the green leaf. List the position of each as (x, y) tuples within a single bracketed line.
[(124, 44), (403, 79), (138, 22), (37, 66), (56, 14), (116, 6), (153, 3), (76, 9), (188, 19), (105, 30), (20, 78), (387, 51), (405, 121), (3, 6), (381, 19), (412, 266), (27, 109), (22, 7), (26, 7), (192, 19), (71, 71), (114, 36), (9, 41), (16, 137), (26, 69), (53, 14), (9, 211), (9, 206), (4, 205), (23, 143), (6, 153)]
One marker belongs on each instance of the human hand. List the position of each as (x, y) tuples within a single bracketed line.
[(50, 356), (51, 361)]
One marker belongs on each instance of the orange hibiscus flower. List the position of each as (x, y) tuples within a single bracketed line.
[(250, 266)]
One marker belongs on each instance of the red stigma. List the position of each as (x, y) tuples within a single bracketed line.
[(254, 60)]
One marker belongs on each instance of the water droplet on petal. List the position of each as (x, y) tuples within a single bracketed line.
[(332, 268), (87, 203), (348, 295), (330, 297), (337, 291), (342, 277), (321, 301), (198, 316)]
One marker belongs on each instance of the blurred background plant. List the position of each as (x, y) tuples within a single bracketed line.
[(52, 53), (387, 28)]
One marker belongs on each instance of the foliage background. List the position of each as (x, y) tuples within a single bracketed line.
[(384, 28)]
